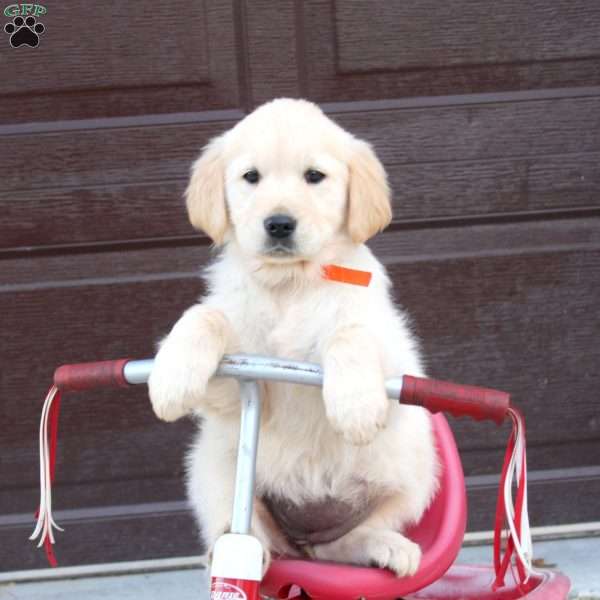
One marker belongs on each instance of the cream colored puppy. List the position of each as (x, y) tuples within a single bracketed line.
[(341, 471)]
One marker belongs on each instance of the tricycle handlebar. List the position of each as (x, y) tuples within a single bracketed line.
[(437, 396)]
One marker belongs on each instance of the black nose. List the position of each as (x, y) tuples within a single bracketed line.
[(280, 226)]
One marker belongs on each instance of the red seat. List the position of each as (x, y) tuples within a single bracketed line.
[(439, 533)]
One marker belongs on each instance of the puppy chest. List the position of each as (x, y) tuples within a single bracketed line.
[(292, 333)]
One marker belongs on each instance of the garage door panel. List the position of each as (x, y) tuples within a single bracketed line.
[(430, 191), (47, 107), (115, 59), (410, 247), (90, 268), (105, 156), (428, 35), (549, 502), (483, 129), (69, 495), (360, 51), (274, 55), (545, 459), (156, 58), (128, 176), (71, 215), (100, 457), (105, 538)]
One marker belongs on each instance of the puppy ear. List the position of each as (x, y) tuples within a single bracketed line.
[(369, 207), (205, 193)]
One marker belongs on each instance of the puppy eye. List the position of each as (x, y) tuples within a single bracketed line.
[(314, 176), (252, 176)]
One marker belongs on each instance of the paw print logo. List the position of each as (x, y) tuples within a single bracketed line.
[(24, 32)]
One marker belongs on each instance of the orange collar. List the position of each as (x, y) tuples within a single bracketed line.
[(345, 275)]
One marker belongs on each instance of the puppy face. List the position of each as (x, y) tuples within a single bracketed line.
[(286, 187), (286, 183)]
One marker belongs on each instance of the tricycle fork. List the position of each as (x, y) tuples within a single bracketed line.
[(237, 561)]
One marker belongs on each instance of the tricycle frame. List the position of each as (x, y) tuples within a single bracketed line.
[(236, 569)]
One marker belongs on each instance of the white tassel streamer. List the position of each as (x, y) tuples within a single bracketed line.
[(45, 522)]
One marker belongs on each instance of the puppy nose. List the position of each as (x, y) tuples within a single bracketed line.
[(280, 226)]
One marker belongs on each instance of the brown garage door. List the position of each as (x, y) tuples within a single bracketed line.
[(487, 116)]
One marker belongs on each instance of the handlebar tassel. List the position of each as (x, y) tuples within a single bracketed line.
[(517, 535), (48, 440)]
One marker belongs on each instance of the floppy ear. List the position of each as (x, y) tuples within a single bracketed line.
[(369, 208), (205, 193)]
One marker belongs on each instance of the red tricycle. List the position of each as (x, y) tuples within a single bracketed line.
[(236, 571)]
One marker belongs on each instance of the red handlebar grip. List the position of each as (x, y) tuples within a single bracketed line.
[(459, 400), (87, 376)]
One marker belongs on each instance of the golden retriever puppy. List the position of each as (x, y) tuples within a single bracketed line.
[(343, 470)]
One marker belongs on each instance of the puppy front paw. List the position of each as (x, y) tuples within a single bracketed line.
[(178, 381), (354, 409)]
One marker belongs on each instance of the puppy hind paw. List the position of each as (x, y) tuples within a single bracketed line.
[(391, 550)]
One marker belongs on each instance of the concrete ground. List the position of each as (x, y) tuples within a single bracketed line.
[(184, 580)]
